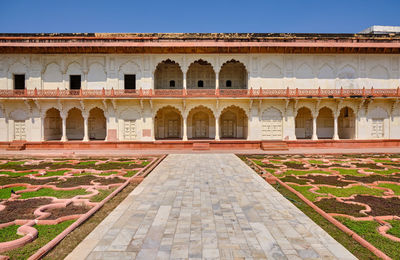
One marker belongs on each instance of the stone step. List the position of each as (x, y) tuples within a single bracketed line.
[(274, 146), (201, 146), (16, 146)]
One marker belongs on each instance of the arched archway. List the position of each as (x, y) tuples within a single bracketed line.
[(201, 123), (200, 75), (168, 123), (346, 123), (303, 124), (325, 123), (97, 124), (233, 123), (233, 75), (75, 128), (272, 124), (168, 75), (52, 125)]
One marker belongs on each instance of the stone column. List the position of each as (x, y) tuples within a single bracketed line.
[(184, 80), (86, 127), (217, 80), (314, 127), (64, 127), (42, 119), (184, 136), (217, 128), (335, 127)]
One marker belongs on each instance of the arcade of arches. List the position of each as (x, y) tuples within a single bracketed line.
[(201, 122), (325, 125), (200, 75), (74, 125)]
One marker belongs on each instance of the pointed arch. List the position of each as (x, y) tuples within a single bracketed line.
[(233, 122), (201, 75), (233, 75), (168, 75), (52, 76), (168, 123)]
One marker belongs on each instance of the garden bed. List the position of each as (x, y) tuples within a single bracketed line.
[(360, 191), (55, 193)]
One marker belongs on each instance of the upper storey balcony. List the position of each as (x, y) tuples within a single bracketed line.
[(198, 93)]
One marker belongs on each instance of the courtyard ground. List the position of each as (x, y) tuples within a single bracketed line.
[(360, 191), (207, 206)]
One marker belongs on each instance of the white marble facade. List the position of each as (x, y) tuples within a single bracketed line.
[(113, 119)]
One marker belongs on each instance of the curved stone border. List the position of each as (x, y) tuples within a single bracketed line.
[(328, 217)]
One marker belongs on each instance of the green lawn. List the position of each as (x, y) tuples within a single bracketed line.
[(395, 230), (102, 195), (383, 172), (47, 192), (353, 172), (368, 230), (302, 172), (5, 193), (9, 233), (347, 192), (54, 173), (394, 187), (17, 174), (46, 233), (304, 190)]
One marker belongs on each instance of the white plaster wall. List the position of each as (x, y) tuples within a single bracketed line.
[(264, 70)]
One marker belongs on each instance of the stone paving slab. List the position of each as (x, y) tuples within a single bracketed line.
[(207, 206)]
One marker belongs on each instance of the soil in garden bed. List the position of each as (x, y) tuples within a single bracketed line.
[(86, 180), (368, 165), (21, 209), (5, 180), (334, 206), (298, 166), (71, 209), (328, 180), (380, 206), (293, 179), (373, 178)]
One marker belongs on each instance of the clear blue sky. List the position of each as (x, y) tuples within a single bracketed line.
[(333, 16)]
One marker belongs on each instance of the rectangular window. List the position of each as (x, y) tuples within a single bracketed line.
[(130, 81), (19, 81), (74, 81)]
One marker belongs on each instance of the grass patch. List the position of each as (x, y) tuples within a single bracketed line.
[(46, 233), (77, 235), (130, 173), (60, 194), (102, 195), (367, 229), (299, 172), (382, 161), (316, 162), (394, 187), (347, 192), (353, 246), (395, 230), (17, 174), (107, 173), (304, 190), (145, 163), (5, 193), (9, 233), (54, 173), (11, 163), (87, 163), (383, 172), (352, 172)]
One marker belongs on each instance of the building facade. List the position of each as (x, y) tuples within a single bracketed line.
[(148, 87)]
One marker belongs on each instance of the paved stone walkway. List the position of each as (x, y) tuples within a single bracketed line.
[(197, 206)]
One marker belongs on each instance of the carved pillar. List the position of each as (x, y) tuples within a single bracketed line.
[(314, 127), (335, 127), (184, 136), (184, 80), (217, 128), (86, 127), (64, 127), (42, 119), (217, 80)]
